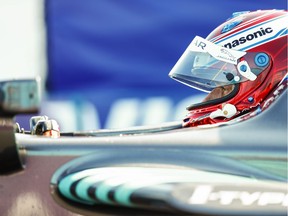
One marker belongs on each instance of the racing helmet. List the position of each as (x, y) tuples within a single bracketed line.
[(240, 63)]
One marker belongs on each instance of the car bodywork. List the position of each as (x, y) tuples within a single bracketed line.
[(238, 168)]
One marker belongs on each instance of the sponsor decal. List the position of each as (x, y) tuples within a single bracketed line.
[(206, 193), (200, 44), (249, 37), (225, 54), (259, 33), (262, 198)]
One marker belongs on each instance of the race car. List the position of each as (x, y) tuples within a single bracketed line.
[(227, 157)]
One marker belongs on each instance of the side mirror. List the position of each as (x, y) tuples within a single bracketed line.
[(16, 97), (19, 97)]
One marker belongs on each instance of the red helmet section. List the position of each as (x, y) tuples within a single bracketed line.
[(249, 95)]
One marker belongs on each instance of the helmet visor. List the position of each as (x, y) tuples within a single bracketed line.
[(205, 65)]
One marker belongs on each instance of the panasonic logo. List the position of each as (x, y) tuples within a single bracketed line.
[(261, 32)]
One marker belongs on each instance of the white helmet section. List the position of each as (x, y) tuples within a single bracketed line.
[(255, 35)]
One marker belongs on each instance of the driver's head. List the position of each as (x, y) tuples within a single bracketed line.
[(239, 64), (219, 92)]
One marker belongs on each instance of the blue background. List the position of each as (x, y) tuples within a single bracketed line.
[(101, 51)]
